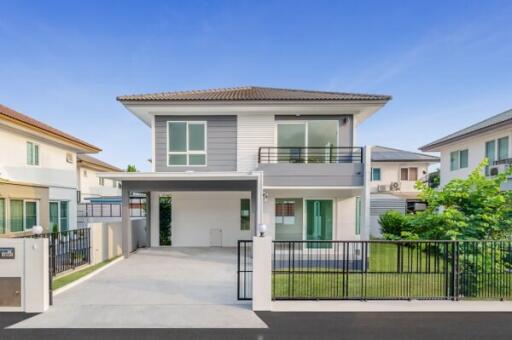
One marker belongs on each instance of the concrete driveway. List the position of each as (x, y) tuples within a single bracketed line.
[(153, 288)]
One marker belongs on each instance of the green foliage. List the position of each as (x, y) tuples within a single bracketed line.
[(165, 221), (55, 228), (392, 224), (434, 179), (131, 168), (465, 209)]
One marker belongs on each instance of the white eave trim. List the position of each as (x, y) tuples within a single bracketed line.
[(181, 176)]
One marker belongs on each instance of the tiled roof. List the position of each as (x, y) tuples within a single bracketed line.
[(384, 154), (22, 119), (95, 161), (484, 125), (252, 93)]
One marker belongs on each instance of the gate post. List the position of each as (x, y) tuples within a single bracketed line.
[(262, 273)]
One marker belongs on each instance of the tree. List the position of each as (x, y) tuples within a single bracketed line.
[(465, 209), (131, 168), (434, 179)]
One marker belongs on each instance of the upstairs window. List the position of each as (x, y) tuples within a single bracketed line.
[(32, 153), (375, 174), (101, 181), (459, 159), (186, 143)]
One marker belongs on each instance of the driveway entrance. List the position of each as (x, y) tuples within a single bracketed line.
[(153, 288)]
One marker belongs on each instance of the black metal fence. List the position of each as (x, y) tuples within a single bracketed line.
[(299, 154), (244, 271), (391, 270), (69, 249)]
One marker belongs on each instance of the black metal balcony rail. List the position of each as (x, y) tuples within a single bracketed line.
[(310, 154), (506, 161), (392, 270)]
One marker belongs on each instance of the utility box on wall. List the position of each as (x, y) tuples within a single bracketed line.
[(24, 275)]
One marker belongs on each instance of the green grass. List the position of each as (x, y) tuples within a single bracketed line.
[(67, 279)]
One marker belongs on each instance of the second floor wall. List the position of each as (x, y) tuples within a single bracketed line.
[(25, 158), (460, 158), (405, 174), (231, 142), (90, 185)]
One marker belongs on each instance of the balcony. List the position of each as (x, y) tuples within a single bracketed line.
[(311, 166)]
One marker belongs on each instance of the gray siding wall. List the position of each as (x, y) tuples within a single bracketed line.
[(221, 143), (284, 174), (346, 124)]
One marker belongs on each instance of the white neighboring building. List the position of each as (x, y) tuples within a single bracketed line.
[(36, 154), (90, 185), (462, 151), (392, 184)]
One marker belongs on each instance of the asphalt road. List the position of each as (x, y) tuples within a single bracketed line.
[(304, 326)]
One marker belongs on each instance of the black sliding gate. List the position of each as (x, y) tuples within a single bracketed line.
[(244, 270)]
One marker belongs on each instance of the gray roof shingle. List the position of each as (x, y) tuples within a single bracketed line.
[(484, 125), (385, 154), (252, 93)]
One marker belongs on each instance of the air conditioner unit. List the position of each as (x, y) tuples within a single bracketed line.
[(494, 170), (382, 188), (394, 186)]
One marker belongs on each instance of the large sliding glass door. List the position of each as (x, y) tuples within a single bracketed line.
[(307, 141)]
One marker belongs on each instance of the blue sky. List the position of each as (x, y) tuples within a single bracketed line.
[(447, 64)]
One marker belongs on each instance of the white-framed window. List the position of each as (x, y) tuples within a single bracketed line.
[(409, 174), (186, 143), (376, 174), (101, 181), (2, 216), (459, 159), (32, 153), (24, 214), (59, 215)]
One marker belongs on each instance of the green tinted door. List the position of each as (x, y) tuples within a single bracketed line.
[(319, 221)]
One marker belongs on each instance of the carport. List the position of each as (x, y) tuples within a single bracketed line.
[(149, 183)]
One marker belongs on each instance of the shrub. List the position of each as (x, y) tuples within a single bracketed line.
[(393, 223)]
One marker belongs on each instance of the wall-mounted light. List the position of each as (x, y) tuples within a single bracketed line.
[(265, 196), (344, 121)]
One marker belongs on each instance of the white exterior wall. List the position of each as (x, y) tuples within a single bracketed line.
[(89, 184), (476, 148), (53, 170), (253, 131), (195, 214), (390, 172)]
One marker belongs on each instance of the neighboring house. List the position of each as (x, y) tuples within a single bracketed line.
[(462, 151), (235, 158), (90, 185), (38, 174), (394, 174)]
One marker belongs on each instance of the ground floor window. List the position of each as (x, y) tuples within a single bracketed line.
[(358, 215), (288, 219), (245, 214), (59, 216), (319, 220), (24, 214)]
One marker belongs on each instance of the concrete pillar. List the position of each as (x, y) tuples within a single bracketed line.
[(37, 285), (365, 197), (126, 229), (262, 273), (155, 219)]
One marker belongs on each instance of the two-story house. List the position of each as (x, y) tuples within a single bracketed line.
[(38, 177), (236, 158), (462, 151), (394, 174)]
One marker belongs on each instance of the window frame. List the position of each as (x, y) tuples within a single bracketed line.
[(409, 174), (59, 213), (35, 160), (458, 164), (25, 213), (101, 181), (372, 179), (3, 214), (187, 153)]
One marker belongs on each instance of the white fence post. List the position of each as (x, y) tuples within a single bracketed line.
[(262, 273)]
